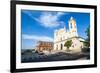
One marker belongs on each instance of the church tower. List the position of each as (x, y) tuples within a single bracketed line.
[(72, 27)]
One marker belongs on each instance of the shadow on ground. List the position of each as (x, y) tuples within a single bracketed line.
[(60, 56)]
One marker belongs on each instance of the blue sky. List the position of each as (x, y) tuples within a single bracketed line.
[(40, 25)]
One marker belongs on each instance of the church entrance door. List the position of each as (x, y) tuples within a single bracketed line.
[(61, 46)]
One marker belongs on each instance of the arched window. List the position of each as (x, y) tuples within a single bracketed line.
[(61, 39), (61, 46), (57, 47), (71, 25)]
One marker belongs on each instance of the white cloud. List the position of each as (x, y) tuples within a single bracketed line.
[(50, 19), (47, 19), (60, 13), (36, 37), (29, 13)]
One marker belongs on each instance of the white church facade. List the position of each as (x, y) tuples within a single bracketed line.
[(62, 35)]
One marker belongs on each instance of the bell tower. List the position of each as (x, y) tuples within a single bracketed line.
[(72, 27)]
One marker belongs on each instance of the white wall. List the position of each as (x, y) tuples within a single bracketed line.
[(5, 37)]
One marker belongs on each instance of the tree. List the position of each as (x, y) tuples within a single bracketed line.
[(88, 33), (68, 44), (87, 41)]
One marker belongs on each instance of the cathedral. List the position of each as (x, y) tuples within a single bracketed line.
[(62, 35)]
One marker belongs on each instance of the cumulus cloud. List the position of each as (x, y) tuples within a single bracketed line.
[(37, 38), (50, 19)]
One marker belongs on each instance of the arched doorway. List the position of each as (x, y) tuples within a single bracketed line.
[(61, 46), (56, 47)]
